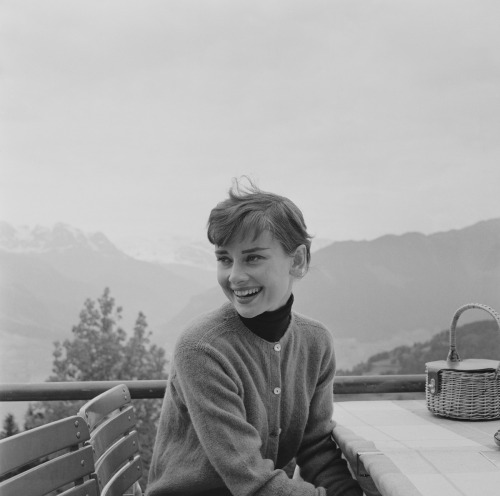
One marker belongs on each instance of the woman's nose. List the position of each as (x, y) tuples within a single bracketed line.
[(237, 274)]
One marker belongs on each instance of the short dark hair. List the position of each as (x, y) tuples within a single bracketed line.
[(251, 210)]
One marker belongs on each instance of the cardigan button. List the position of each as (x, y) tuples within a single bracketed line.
[(277, 390), (277, 347)]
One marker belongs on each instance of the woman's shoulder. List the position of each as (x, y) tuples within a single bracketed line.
[(310, 323), (314, 336), (204, 328), (312, 328)]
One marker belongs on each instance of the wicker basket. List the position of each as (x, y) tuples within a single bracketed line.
[(464, 389)]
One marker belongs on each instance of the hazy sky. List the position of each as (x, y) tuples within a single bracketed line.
[(131, 117)]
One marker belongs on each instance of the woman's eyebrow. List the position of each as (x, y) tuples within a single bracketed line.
[(250, 250), (221, 251)]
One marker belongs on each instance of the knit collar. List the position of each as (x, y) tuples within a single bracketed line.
[(270, 326)]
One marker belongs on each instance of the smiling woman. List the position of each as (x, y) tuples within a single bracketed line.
[(250, 392), (256, 274)]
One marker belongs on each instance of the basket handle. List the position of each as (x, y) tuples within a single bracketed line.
[(453, 355)]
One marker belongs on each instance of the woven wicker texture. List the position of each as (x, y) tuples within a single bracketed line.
[(463, 393)]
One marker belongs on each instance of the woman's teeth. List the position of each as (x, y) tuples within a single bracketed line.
[(246, 292)]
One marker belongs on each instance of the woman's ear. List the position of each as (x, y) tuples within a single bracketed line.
[(299, 264)]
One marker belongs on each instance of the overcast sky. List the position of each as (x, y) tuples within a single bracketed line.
[(131, 117)]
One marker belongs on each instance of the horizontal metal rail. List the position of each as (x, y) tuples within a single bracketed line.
[(378, 384), (56, 391)]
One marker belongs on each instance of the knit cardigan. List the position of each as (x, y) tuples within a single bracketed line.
[(238, 409)]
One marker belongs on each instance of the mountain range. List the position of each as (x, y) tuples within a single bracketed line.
[(373, 295), (374, 289)]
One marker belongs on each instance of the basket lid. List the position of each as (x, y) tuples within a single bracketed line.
[(469, 365), (472, 365)]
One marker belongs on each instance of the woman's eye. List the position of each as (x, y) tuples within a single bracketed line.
[(253, 258), (223, 260)]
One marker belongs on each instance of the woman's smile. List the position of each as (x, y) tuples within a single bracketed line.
[(246, 294)]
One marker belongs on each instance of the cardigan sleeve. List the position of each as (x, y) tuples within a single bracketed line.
[(319, 458), (232, 445)]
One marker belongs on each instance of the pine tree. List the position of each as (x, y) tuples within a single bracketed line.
[(101, 351), (10, 426)]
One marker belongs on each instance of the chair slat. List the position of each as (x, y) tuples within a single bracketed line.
[(101, 406), (123, 450), (111, 419), (51, 475), (124, 478), (88, 488), (112, 429), (26, 447)]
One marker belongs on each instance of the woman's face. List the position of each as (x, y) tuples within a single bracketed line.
[(255, 274)]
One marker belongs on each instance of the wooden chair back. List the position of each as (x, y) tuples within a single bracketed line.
[(111, 420), (53, 457)]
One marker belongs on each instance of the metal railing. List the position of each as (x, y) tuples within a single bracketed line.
[(54, 391)]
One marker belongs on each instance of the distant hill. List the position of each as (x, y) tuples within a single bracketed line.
[(401, 283), (474, 340)]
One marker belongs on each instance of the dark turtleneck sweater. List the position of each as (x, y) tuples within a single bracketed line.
[(271, 325)]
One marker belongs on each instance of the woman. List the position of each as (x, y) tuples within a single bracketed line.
[(251, 383)]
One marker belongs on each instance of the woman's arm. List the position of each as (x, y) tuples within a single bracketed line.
[(319, 458)]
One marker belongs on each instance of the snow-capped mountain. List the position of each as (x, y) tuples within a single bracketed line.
[(168, 250), (61, 237)]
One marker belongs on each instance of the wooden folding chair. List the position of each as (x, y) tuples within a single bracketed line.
[(111, 420), (56, 459)]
